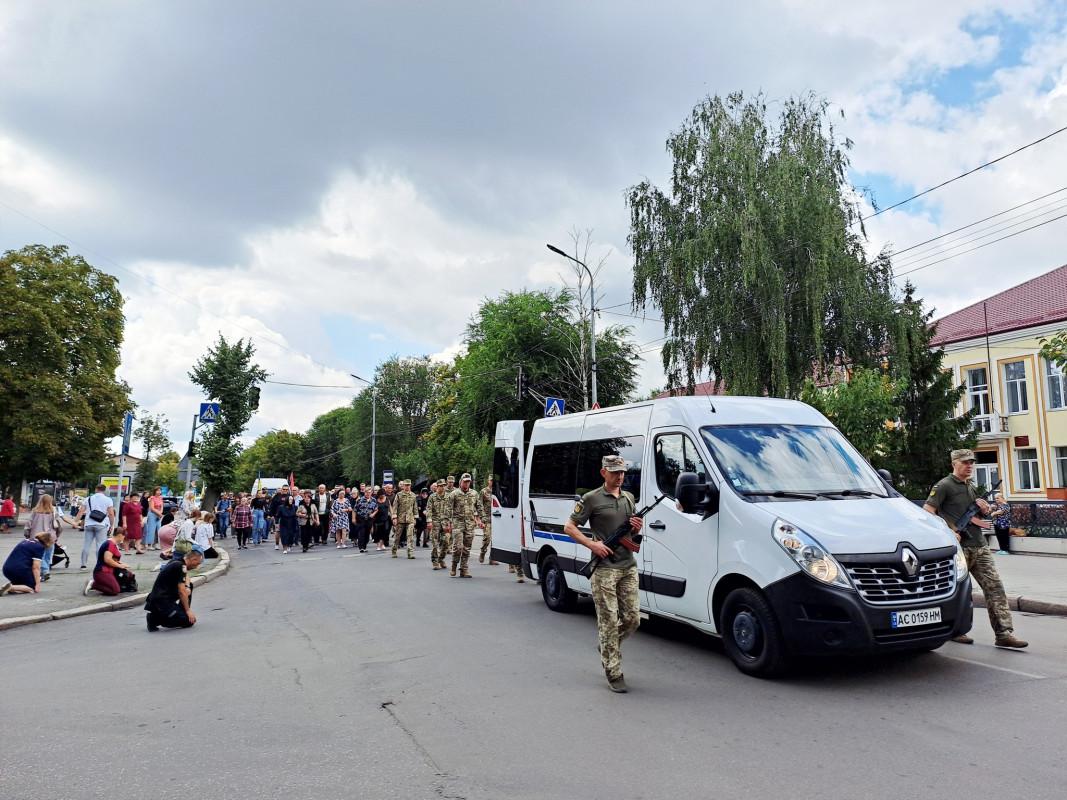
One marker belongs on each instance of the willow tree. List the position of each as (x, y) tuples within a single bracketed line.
[(755, 254)]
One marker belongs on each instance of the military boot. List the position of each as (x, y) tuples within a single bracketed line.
[(453, 572), (464, 574)]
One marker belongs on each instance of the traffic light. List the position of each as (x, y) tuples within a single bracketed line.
[(253, 398), (522, 385), (192, 448)]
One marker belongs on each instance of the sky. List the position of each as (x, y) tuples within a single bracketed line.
[(346, 181)]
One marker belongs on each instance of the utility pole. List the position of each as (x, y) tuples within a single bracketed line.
[(592, 316), (373, 420)]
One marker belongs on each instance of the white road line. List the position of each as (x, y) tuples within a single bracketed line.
[(994, 666)]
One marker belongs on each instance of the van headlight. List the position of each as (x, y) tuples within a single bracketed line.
[(810, 555), (961, 564)]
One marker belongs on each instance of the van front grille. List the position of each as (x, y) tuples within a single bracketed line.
[(882, 583)]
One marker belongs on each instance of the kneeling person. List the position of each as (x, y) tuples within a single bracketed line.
[(169, 604)]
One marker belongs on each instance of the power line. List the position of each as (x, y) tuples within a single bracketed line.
[(964, 175)]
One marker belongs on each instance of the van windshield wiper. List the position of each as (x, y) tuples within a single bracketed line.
[(780, 493), (850, 492)]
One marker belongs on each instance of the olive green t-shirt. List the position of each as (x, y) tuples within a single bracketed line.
[(951, 498), (605, 513)]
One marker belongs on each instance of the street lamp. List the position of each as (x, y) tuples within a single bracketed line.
[(373, 421), (592, 316)]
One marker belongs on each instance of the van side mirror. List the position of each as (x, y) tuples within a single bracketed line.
[(696, 496), (885, 476)]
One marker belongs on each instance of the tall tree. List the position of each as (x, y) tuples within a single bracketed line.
[(167, 473), (863, 408), (152, 432), (324, 445), (61, 329), (538, 331), (227, 374), (754, 255), (918, 449), (274, 455)]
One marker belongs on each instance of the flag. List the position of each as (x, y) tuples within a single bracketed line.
[(292, 484)]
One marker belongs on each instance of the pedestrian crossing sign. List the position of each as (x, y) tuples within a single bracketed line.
[(209, 412), (553, 407)]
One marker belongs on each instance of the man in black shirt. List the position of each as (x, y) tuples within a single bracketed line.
[(169, 604)]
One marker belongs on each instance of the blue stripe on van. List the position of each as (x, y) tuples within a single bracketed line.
[(559, 537)]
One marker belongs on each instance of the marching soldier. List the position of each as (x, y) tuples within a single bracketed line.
[(485, 500), (465, 517), (436, 522), (405, 509)]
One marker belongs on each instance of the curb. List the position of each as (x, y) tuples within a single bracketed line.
[(130, 601), (1026, 605)]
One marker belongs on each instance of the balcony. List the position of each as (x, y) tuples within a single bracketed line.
[(991, 427)]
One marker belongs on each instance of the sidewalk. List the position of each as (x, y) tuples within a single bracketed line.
[(61, 597)]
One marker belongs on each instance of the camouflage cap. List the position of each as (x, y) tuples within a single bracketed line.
[(405, 482), (440, 482), (962, 455), (466, 476), (452, 478), (613, 463)]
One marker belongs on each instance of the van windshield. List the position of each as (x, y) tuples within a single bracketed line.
[(802, 462)]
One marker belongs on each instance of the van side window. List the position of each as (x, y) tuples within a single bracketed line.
[(675, 453), (506, 476), (553, 468), (632, 448)]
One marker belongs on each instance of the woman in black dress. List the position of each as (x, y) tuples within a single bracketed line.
[(382, 518)]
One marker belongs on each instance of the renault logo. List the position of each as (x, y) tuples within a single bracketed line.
[(911, 561)]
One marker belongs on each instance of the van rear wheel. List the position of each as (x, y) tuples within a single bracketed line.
[(751, 635), (554, 587)]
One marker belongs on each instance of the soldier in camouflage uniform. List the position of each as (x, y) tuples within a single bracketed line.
[(614, 582), (485, 501), (405, 509), (436, 522), (465, 517), (949, 499)]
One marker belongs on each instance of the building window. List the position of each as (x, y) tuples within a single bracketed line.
[(1054, 378), (1029, 476), (1015, 387), (987, 470), (1059, 466), (978, 399)]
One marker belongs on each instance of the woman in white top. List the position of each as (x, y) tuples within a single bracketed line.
[(185, 508), (205, 533)]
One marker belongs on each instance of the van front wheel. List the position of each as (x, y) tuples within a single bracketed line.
[(751, 635), (554, 587)]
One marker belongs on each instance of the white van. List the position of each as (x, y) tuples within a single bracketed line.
[(775, 533), (271, 485)]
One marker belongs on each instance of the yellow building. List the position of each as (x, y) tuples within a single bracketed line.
[(1021, 399)]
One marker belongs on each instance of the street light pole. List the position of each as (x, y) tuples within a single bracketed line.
[(592, 315)]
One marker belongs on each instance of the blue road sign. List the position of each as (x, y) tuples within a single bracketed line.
[(209, 412), (387, 477), (553, 407), (127, 433)]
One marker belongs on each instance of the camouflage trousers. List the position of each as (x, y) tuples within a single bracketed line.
[(984, 571), (401, 530), (462, 541), (618, 613), (440, 544), (487, 539)]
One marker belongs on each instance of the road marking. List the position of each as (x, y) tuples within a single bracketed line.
[(994, 666), (312, 558)]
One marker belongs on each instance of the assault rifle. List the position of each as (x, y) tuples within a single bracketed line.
[(968, 515), (623, 535)]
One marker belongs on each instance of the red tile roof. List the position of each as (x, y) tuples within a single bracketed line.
[(706, 389), (1039, 301)]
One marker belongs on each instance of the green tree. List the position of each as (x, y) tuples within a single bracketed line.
[(1054, 349), (918, 449), (274, 455), (152, 432), (755, 254), (537, 330), (61, 328), (227, 374), (144, 477), (863, 408), (167, 473), (324, 445)]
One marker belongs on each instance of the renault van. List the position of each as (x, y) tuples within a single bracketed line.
[(775, 534)]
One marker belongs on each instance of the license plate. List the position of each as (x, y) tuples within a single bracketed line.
[(922, 616)]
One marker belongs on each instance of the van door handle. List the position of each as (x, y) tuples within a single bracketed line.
[(496, 512), (657, 526)]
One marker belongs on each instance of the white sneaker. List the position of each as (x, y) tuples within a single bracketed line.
[(338, 547), (276, 547), (88, 586), (286, 550)]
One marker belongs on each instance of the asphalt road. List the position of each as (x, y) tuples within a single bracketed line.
[(368, 677)]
